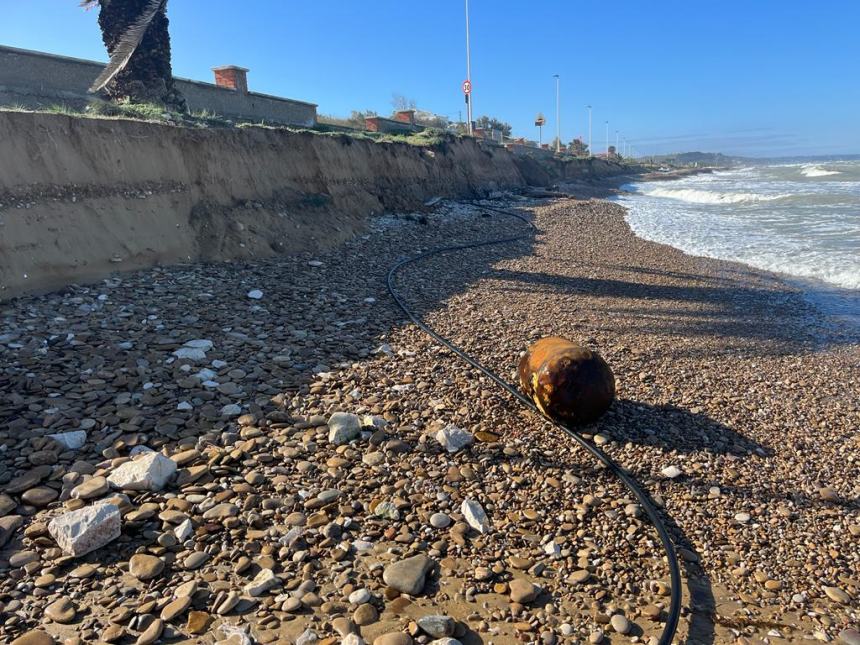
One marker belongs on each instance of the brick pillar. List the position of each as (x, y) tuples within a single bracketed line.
[(405, 116), (232, 78)]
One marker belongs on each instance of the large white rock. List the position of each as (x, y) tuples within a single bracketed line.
[(194, 350), (671, 472), (475, 516), (263, 581), (148, 471), (343, 428), (86, 529), (73, 440), (453, 438)]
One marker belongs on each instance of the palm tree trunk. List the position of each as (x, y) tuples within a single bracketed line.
[(148, 77)]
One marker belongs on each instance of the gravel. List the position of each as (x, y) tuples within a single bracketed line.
[(311, 490)]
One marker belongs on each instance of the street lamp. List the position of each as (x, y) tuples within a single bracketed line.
[(557, 114), (468, 71), (590, 151)]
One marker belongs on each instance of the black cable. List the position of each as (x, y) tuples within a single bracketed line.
[(674, 611)]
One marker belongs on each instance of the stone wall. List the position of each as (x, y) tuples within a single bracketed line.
[(38, 80)]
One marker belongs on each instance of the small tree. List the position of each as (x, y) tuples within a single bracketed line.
[(400, 102), (492, 123)]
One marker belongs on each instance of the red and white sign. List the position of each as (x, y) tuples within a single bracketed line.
[(467, 86)]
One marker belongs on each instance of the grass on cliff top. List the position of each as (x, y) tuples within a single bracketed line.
[(204, 119)]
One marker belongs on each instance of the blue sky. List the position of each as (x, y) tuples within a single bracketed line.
[(759, 77)]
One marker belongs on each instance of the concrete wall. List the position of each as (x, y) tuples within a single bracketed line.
[(38, 80)]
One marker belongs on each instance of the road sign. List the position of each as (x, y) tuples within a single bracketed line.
[(540, 120), (467, 87)]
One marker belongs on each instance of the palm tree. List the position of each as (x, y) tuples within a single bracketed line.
[(136, 35)]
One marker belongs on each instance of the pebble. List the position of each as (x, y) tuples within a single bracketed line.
[(522, 591), (34, 637), (440, 520), (436, 625), (620, 624), (408, 576), (61, 611), (145, 567)]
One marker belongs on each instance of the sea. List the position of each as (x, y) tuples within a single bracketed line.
[(801, 220)]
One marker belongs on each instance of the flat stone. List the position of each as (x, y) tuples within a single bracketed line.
[(86, 529), (7, 505), (198, 622), (93, 487), (145, 567), (74, 440), (408, 576), (475, 516), (359, 597), (849, 637), (29, 479), (61, 611), (175, 608), (40, 496), (262, 582), (8, 525), (837, 595), (34, 637), (195, 560), (393, 638), (595, 637), (365, 614), (579, 577), (221, 511), (148, 471), (343, 428), (437, 626), (522, 591), (151, 633)]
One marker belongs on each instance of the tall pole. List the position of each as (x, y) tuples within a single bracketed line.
[(557, 114), (590, 151), (468, 71), (616, 141)]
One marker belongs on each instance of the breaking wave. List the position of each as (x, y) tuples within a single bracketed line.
[(817, 171), (694, 196)]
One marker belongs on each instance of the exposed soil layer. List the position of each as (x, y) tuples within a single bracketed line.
[(81, 198)]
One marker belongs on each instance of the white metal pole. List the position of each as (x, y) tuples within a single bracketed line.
[(557, 115), (616, 142), (468, 70), (590, 151)]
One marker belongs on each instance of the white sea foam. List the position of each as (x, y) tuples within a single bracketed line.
[(817, 171), (770, 217), (694, 196)]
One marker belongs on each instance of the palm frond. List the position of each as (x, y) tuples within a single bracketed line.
[(128, 45)]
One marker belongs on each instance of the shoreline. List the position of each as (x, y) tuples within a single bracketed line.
[(719, 373), (835, 303)]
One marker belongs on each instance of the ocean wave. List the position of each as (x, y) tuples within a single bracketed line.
[(694, 196), (817, 171)]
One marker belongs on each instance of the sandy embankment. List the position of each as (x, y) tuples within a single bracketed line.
[(81, 198), (721, 372)]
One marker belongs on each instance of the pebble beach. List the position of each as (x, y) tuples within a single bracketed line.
[(269, 452)]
